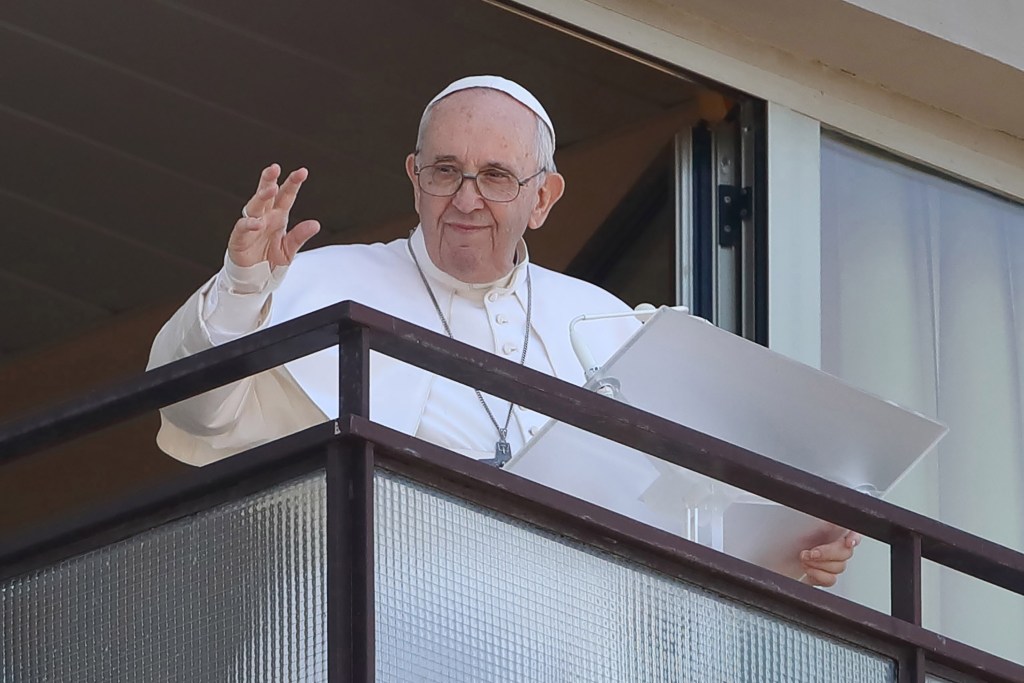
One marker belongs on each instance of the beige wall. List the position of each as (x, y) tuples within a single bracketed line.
[(988, 27), (931, 100)]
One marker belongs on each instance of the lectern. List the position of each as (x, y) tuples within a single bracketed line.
[(682, 368)]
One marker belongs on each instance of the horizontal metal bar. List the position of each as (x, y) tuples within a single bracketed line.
[(174, 382), (197, 489)]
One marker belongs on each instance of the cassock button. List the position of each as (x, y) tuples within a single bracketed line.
[(533, 431), (509, 348), (501, 318), (492, 297)]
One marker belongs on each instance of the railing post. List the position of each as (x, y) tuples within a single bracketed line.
[(912, 667), (905, 571), (350, 614), (905, 597)]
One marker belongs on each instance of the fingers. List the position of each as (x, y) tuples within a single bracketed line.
[(818, 577), (263, 199), (833, 552), (830, 566), (825, 560), (823, 565), (839, 549), (290, 189), (262, 235), (269, 195), (821, 572)]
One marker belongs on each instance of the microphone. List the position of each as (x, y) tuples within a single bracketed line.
[(643, 313)]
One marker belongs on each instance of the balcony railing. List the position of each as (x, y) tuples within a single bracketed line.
[(349, 551)]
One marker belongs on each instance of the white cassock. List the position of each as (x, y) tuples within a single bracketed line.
[(492, 317), (238, 301)]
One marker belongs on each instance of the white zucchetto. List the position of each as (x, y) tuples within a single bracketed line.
[(510, 88)]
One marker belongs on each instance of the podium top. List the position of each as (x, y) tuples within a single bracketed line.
[(687, 370)]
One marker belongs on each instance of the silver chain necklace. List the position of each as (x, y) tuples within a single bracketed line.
[(502, 451)]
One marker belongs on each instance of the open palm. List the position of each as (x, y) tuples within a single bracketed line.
[(262, 233)]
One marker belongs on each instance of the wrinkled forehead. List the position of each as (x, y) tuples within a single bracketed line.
[(479, 120), (477, 103)]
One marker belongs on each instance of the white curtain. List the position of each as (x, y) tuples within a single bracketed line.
[(923, 304)]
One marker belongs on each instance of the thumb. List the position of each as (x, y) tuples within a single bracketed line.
[(297, 237)]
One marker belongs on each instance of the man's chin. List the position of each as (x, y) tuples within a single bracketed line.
[(468, 264)]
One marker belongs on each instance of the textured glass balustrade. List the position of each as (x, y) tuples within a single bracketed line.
[(463, 594), (234, 594)]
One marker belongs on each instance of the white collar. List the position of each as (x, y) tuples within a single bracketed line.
[(506, 283)]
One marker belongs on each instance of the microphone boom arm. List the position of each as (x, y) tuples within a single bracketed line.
[(642, 312)]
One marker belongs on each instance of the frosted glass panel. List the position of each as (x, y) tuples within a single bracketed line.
[(464, 594), (238, 594), (231, 594)]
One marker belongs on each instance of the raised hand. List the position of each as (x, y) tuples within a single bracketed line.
[(262, 233), (823, 564)]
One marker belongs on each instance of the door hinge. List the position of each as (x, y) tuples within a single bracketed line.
[(734, 207)]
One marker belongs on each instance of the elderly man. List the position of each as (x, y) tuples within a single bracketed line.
[(482, 174)]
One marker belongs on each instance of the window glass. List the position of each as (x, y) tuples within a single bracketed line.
[(923, 303)]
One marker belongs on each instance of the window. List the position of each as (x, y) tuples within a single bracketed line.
[(922, 302)]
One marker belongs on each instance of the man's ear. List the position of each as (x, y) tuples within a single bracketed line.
[(410, 170), (550, 191)]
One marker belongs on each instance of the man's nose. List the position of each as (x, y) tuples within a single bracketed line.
[(468, 197)]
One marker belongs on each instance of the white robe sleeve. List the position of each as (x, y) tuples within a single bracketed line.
[(233, 418)]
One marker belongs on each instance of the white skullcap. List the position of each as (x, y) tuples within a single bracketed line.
[(510, 88)]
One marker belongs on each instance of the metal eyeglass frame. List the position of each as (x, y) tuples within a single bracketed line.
[(473, 176)]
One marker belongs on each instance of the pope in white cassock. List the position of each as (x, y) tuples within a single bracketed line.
[(482, 174)]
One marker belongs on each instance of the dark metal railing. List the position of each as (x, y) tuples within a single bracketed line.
[(352, 446)]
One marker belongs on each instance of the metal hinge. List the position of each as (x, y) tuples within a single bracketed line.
[(734, 206)]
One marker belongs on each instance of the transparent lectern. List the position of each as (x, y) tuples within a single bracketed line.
[(685, 369)]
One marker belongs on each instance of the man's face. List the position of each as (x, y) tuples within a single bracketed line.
[(467, 236)]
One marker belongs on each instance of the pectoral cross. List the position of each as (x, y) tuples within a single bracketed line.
[(502, 450)]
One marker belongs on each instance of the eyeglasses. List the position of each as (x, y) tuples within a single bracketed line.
[(494, 184)]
